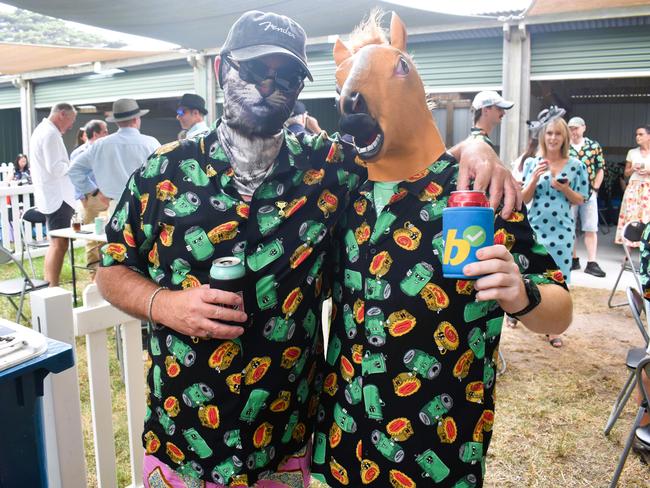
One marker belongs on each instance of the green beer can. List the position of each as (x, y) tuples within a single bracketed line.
[(228, 274)]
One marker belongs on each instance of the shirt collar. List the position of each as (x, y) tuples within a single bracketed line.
[(51, 126), (293, 153), (128, 130), (439, 172)]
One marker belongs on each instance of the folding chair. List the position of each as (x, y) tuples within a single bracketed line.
[(642, 433), (18, 287), (634, 357), (631, 232), (32, 217)]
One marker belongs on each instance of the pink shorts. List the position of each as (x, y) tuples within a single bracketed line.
[(294, 472)]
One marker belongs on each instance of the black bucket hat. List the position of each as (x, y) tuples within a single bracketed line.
[(192, 101)]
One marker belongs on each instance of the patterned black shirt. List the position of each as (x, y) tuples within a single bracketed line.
[(478, 133), (224, 410), (408, 391), (592, 155)]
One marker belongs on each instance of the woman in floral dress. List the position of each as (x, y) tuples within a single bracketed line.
[(636, 200)]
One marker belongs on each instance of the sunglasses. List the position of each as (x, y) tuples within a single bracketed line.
[(180, 111), (287, 78)]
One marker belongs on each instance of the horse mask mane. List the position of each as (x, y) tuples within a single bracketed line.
[(382, 102)]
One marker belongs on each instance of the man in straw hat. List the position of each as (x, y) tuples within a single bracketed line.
[(235, 404), (113, 158)]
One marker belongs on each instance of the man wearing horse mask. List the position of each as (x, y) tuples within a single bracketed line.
[(235, 404), (408, 396)]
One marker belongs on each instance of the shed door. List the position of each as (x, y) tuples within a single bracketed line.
[(597, 53)]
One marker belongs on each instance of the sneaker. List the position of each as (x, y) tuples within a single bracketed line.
[(575, 264), (593, 269)]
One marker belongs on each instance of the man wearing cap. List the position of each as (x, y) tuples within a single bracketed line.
[(53, 193), (590, 153), (113, 158), (190, 114), (489, 108), (235, 404)]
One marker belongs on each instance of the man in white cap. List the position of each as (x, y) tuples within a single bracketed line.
[(489, 108), (113, 158), (590, 153)]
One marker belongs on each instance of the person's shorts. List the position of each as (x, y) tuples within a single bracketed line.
[(588, 213), (294, 471), (60, 219)]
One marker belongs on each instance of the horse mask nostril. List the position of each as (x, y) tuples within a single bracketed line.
[(354, 104)]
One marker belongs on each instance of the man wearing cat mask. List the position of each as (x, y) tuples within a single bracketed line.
[(235, 404)]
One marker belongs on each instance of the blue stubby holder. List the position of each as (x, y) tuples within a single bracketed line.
[(465, 230)]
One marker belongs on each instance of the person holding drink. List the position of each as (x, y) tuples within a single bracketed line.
[(552, 183), (636, 200), (236, 405), (419, 291)]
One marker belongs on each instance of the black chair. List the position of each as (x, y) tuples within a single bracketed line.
[(18, 287), (634, 357), (643, 433), (631, 232), (31, 217)]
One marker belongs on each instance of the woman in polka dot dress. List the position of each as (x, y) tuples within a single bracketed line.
[(552, 183)]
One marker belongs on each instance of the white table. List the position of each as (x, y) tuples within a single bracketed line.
[(87, 233)]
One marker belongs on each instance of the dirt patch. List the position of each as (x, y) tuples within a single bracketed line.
[(552, 404)]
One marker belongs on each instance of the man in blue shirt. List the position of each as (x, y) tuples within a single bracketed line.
[(92, 203), (113, 158)]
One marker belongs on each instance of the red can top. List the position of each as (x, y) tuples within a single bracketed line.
[(468, 198)]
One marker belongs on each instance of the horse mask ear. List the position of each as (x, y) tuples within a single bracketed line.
[(341, 52), (397, 33)]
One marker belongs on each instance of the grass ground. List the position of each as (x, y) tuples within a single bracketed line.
[(551, 409)]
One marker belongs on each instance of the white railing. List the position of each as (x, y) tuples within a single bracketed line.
[(6, 172), (53, 315), (20, 197)]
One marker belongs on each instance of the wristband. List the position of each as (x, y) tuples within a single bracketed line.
[(151, 298)]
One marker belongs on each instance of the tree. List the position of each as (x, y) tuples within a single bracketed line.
[(31, 28)]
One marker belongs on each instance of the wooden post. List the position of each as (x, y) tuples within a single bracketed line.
[(66, 464)]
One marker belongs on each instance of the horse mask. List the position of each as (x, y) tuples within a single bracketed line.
[(382, 102)]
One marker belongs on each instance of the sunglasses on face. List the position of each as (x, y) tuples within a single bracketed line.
[(289, 77), (180, 112)]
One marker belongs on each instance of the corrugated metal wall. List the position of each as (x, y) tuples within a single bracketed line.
[(613, 125), (9, 97), (463, 65), (10, 135), (458, 65), (322, 67), (584, 53), (146, 84)]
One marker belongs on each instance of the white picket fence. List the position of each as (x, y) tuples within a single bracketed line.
[(14, 200), (54, 316)]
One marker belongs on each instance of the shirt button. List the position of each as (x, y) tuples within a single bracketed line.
[(373, 250)]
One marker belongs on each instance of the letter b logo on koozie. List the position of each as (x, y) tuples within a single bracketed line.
[(458, 248)]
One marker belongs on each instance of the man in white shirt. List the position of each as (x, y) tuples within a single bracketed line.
[(113, 158), (53, 191), (190, 113)]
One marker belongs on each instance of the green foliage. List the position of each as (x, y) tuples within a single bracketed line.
[(31, 28)]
